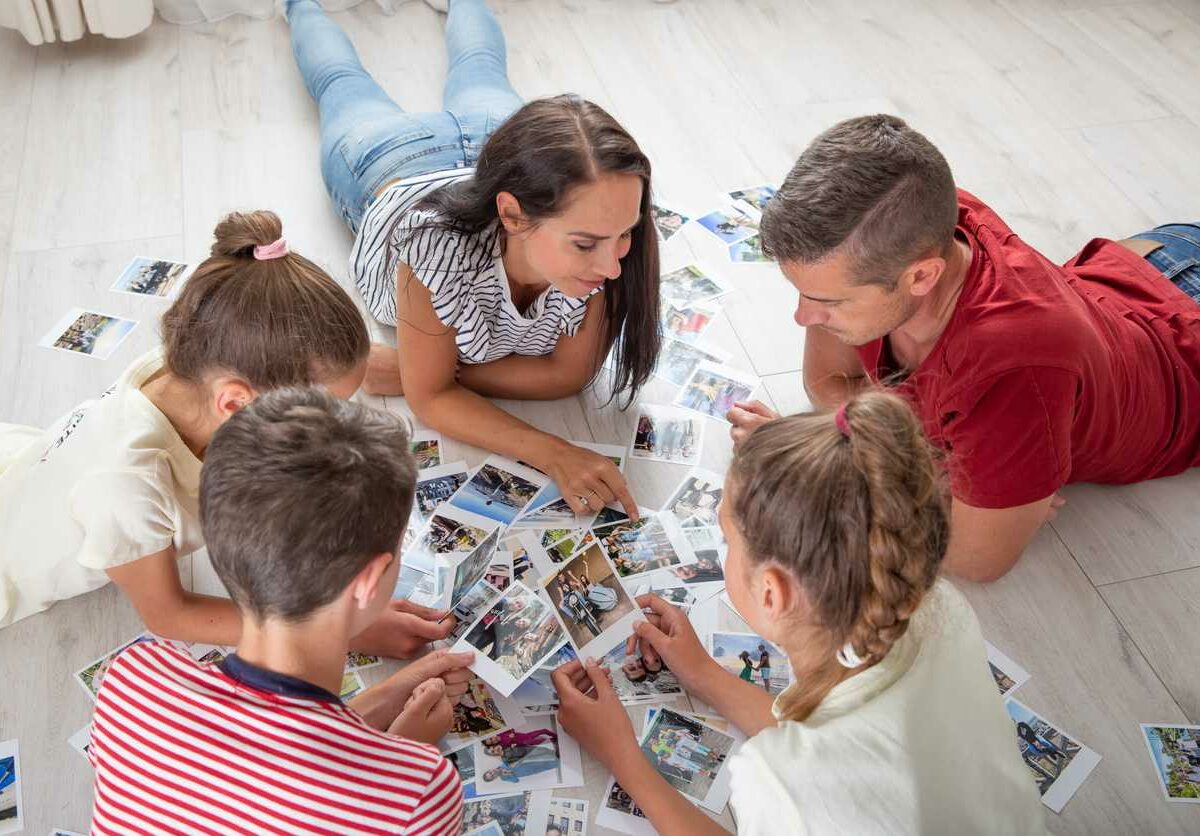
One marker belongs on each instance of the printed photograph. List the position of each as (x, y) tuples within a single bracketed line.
[(1057, 763), (426, 447), (713, 390), (640, 677), (555, 512), (729, 225), (749, 251), (513, 814), (1008, 675), (667, 434), (1175, 751), (755, 196), (609, 515), (694, 503), (568, 817), (500, 571), (11, 813), (753, 659), (567, 547), (471, 569), (463, 761), (447, 535), (690, 284), (352, 685), (686, 322), (436, 485), (536, 695), (500, 493), (478, 598), (679, 359), (93, 675), (688, 754), (92, 334), (531, 755), (636, 548), (621, 802), (150, 277), (668, 221), (704, 538), (589, 597), (679, 596), (358, 661), (476, 715), (706, 569), (513, 638)]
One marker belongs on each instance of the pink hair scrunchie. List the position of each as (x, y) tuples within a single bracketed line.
[(842, 422), (277, 249)]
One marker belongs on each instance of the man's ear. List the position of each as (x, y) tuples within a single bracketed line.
[(923, 275)]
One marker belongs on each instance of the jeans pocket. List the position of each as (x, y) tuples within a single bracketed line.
[(1169, 266), (367, 145)]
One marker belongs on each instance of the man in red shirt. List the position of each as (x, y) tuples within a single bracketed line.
[(1029, 375)]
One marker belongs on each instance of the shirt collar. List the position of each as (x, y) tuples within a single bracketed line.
[(262, 679)]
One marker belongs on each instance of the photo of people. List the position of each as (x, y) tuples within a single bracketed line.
[(640, 677), (454, 533), (713, 390), (478, 598), (500, 571), (1008, 675), (1175, 751), (686, 322), (568, 546), (512, 638), (753, 659), (150, 277), (694, 503), (1058, 763), (93, 334), (531, 755), (730, 225), (556, 512), (690, 284), (536, 695), (513, 814), (568, 817), (636, 548), (476, 715), (427, 449), (687, 753), (619, 801), (500, 490), (667, 434), (471, 569), (436, 485), (590, 599), (749, 251), (754, 196), (706, 569), (11, 812), (667, 221), (679, 359), (91, 676)]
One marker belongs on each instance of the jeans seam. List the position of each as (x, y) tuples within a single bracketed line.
[(1195, 242)]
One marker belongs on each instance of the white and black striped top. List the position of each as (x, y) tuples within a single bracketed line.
[(464, 274)]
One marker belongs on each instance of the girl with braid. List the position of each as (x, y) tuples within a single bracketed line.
[(837, 526)]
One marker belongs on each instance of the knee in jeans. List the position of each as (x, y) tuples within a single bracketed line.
[(332, 73)]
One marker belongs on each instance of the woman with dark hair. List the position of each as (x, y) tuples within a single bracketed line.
[(512, 245)]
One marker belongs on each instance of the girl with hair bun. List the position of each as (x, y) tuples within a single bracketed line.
[(110, 491), (837, 526)]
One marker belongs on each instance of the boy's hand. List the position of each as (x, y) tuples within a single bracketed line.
[(403, 630), (427, 715), (667, 633), (590, 712), (450, 668)]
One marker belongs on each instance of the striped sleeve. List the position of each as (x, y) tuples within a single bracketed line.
[(574, 311), (440, 808), (437, 258)]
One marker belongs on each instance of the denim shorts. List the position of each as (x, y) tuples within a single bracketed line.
[(1179, 256)]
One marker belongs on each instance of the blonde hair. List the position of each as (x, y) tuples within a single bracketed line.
[(858, 518)]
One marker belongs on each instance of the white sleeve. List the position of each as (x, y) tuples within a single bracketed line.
[(124, 516)]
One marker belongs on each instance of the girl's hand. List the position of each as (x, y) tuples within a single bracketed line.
[(589, 711), (403, 630), (588, 480), (667, 633), (427, 715)]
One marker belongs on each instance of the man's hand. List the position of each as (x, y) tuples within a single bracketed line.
[(403, 630), (746, 417)]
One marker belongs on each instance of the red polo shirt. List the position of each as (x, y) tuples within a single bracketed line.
[(1045, 375)]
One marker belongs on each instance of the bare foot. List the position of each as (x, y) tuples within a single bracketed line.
[(383, 371)]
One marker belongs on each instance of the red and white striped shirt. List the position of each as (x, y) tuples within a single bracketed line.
[(183, 747)]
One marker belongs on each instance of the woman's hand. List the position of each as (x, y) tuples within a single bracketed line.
[(589, 711), (746, 417), (588, 480), (383, 371), (427, 715), (668, 634)]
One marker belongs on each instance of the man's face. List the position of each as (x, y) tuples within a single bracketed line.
[(854, 313)]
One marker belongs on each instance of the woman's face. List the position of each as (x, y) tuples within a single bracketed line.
[(581, 248)]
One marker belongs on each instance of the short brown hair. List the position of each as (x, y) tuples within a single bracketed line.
[(275, 322), (298, 492), (860, 521), (871, 187)]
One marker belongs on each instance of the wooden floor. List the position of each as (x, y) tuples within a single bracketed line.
[(1073, 118)]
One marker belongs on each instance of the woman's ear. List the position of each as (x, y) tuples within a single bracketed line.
[(508, 208)]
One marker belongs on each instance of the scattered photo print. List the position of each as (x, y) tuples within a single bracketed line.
[(1175, 752), (694, 503), (729, 225), (679, 359), (704, 538), (512, 638), (618, 812), (426, 446), (92, 334), (609, 514), (691, 284), (687, 322), (358, 661), (81, 741), (471, 569), (592, 604), (11, 807), (667, 434), (500, 489), (1009, 676), (450, 531), (500, 571), (689, 755), (519, 814), (151, 277), (536, 695), (352, 685), (92, 676), (533, 754), (568, 817), (712, 390), (477, 714), (478, 598), (749, 251), (636, 548), (706, 569), (568, 547), (463, 761), (436, 485), (640, 677), (1057, 763), (753, 659), (755, 197), (667, 221)]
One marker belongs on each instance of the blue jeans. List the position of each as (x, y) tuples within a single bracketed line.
[(366, 138), (1179, 256)]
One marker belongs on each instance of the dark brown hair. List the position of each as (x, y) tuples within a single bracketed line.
[(543, 151), (860, 521), (298, 492), (871, 187), (276, 322)]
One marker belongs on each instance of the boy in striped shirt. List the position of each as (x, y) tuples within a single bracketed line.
[(303, 501)]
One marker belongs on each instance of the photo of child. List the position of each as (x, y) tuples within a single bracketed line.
[(685, 752), (589, 597), (513, 637), (713, 390)]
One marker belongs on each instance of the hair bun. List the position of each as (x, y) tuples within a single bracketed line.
[(238, 233)]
